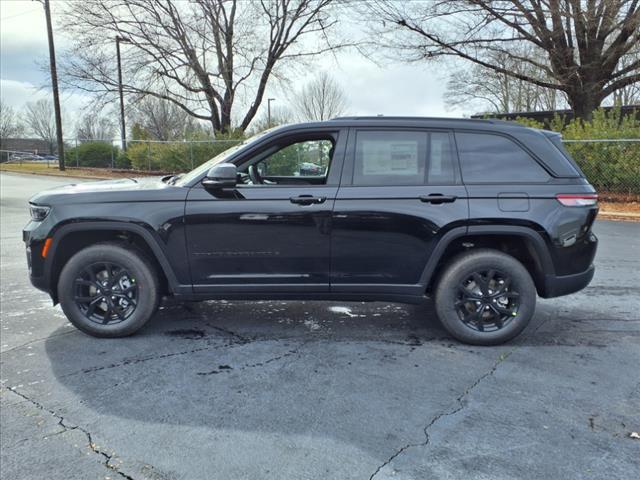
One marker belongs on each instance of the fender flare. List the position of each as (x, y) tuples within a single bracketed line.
[(537, 241), (60, 233)]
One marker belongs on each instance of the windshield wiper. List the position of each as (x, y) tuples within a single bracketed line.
[(173, 179)]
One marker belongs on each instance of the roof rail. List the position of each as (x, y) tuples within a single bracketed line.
[(408, 118)]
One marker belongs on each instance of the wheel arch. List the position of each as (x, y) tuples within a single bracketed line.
[(70, 238), (524, 243)]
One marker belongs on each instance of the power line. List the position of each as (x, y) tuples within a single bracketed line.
[(19, 14)]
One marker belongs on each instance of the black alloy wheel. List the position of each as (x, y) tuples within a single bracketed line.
[(109, 289), (486, 301), (485, 297), (106, 293)]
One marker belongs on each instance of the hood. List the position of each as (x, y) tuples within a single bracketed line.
[(103, 190)]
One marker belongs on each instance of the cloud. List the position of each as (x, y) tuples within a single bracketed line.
[(16, 93), (394, 89)]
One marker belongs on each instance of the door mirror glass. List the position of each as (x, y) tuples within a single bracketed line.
[(223, 175)]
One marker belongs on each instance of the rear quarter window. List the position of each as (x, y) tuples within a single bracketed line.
[(489, 158)]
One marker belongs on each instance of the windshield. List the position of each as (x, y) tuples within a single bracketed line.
[(220, 158)]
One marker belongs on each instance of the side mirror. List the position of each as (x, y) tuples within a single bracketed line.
[(223, 175)]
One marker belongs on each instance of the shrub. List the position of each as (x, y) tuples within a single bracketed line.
[(173, 157), (123, 161), (610, 166), (91, 154)]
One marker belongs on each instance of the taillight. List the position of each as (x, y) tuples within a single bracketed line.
[(577, 200)]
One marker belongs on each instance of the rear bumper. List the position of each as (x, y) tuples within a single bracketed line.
[(556, 286)]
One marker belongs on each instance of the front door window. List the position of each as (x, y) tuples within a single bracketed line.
[(303, 162)]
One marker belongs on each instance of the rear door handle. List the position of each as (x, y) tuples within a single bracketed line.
[(307, 200), (437, 198)]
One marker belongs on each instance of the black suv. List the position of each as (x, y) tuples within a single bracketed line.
[(481, 215)]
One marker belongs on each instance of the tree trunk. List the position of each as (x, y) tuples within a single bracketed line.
[(225, 118), (583, 102)]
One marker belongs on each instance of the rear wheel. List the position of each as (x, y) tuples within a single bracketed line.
[(485, 297), (108, 290)]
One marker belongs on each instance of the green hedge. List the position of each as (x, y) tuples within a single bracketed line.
[(92, 154), (611, 165), (173, 157)]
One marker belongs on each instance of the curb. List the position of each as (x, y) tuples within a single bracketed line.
[(86, 177), (624, 216)]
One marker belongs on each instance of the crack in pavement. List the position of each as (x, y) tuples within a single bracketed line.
[(204, 318), (459, 401), (90, 443), (227, 368), (292, 352), (31, 342), (134, 361), (235, 340)]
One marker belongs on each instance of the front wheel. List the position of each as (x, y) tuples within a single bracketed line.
[(485, 297), (107, 290)]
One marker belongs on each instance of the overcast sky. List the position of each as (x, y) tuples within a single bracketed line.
[(371, 89)]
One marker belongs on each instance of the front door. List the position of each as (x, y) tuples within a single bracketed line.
[(401, 191), (272, 233)]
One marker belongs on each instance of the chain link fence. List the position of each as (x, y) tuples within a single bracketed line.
[(611, 165), (174, 157)]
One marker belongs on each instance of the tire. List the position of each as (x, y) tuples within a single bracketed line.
[(109, 290), (479, 309)]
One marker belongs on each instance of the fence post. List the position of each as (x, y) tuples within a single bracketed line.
[(77, 159), (148, 157), (111, 155), (191, 153)]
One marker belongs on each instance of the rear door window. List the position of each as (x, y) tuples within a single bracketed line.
[(403, 158), (487, 158)]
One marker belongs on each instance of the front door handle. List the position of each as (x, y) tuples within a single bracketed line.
[(437, 198), (307, 200)]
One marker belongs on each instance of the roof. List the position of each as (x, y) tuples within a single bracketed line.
[(428, 122)]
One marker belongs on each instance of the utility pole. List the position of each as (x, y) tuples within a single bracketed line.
[(123, 128), (269, 100), (54, 85)]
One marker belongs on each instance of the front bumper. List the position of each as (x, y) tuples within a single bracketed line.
[(35, 261), (556, 286)]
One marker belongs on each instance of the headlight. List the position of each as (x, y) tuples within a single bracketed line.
[(39, 212)]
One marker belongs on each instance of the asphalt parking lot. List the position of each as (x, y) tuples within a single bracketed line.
[(319, 390)]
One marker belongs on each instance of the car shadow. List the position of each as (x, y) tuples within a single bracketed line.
[(269, 366)]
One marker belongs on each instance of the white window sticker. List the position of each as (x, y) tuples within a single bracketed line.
[(389, 158)]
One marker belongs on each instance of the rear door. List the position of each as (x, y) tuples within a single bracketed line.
[(400, 192)]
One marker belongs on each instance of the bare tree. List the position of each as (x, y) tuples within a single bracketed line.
[(10, 125), (41, 122), (629, 95), (581, 43), (162, 120), (205, 56), (279, 116), (488, 90), (321, 99), (92, 128)]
